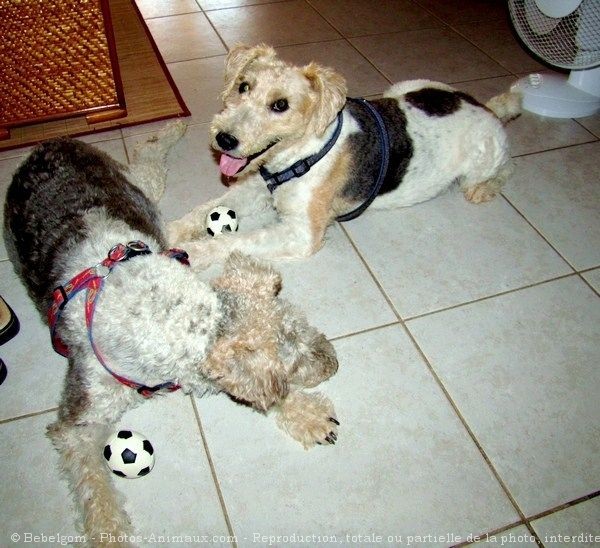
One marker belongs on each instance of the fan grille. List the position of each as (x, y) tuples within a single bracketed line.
[(571, 42)]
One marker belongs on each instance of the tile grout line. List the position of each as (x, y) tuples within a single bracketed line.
[(499, 63), (212, 26), (202, 10), (552, 149), (28, 415), (533, 517), (488, 297), (538, 232), (564, 506), (471, 434), (225, 8), (362, 331), (580, 273), (487, 534), (347, 40), (575, 272), (201, 58), (126, 151), (452, 28), (576, 120), (205, 12), (166, 16), (213, 472), (325, 41), (589, 269), (379, 71), (460, 305), (597, 292), (446, 393)]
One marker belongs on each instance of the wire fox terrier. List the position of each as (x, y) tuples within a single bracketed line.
[(305, 155), (156, 326)]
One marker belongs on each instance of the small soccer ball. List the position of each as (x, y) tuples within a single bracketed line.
[(129, 454), (221, 219)]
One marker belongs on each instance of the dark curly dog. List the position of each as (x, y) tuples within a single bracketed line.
[(69, 215)]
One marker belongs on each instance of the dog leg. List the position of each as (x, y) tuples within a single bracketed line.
[(308, 418), (105, 522), (317, 364), (148, 168), (289, 238), (249, 200), (481, 192), (85, 421), (309, 357)]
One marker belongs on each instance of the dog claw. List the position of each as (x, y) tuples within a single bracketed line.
[(334, 421), (330, 440)]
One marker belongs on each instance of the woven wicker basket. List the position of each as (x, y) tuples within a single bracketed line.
[(57, 60)]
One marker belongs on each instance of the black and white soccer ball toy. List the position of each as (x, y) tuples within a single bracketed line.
[(129, 454), (221, 219)]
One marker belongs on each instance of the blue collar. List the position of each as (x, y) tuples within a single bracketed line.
[(303, 166)]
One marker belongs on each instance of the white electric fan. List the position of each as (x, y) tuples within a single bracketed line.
[(565, 34)]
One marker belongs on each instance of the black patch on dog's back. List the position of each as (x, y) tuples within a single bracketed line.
[(46, 202), (366, 149), (439, 102)]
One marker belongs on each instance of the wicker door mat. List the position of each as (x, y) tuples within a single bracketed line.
[(57, 60), (150, 93)]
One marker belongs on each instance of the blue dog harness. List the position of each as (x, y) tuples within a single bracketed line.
[(301, 167)]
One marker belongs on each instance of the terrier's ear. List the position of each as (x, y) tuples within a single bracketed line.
[(269, 388), (247, 371), (330, 88), (238, 58)]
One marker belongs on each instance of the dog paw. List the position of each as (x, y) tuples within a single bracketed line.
[(478, 194), (331, 436), (309, 419)]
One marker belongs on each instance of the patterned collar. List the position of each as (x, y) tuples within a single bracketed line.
[(92, 280)]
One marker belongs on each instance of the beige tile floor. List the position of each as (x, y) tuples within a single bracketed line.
[(468, 336)]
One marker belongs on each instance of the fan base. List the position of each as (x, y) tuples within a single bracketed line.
[(554, 96)]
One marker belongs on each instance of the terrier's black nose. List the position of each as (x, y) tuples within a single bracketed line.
[(227, 141)]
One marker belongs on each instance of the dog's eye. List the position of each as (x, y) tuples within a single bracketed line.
[(281, 105), (244, 87)]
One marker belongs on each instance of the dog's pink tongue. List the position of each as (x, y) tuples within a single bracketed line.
[(230, 165)]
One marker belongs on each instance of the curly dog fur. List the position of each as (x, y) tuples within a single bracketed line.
[(67, 205), (276, 115)]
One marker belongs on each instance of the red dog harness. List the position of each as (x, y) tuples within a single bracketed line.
[(92, 279)]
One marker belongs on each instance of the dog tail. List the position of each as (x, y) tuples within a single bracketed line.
[(159, 144), (148, 169), (506, 106)]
